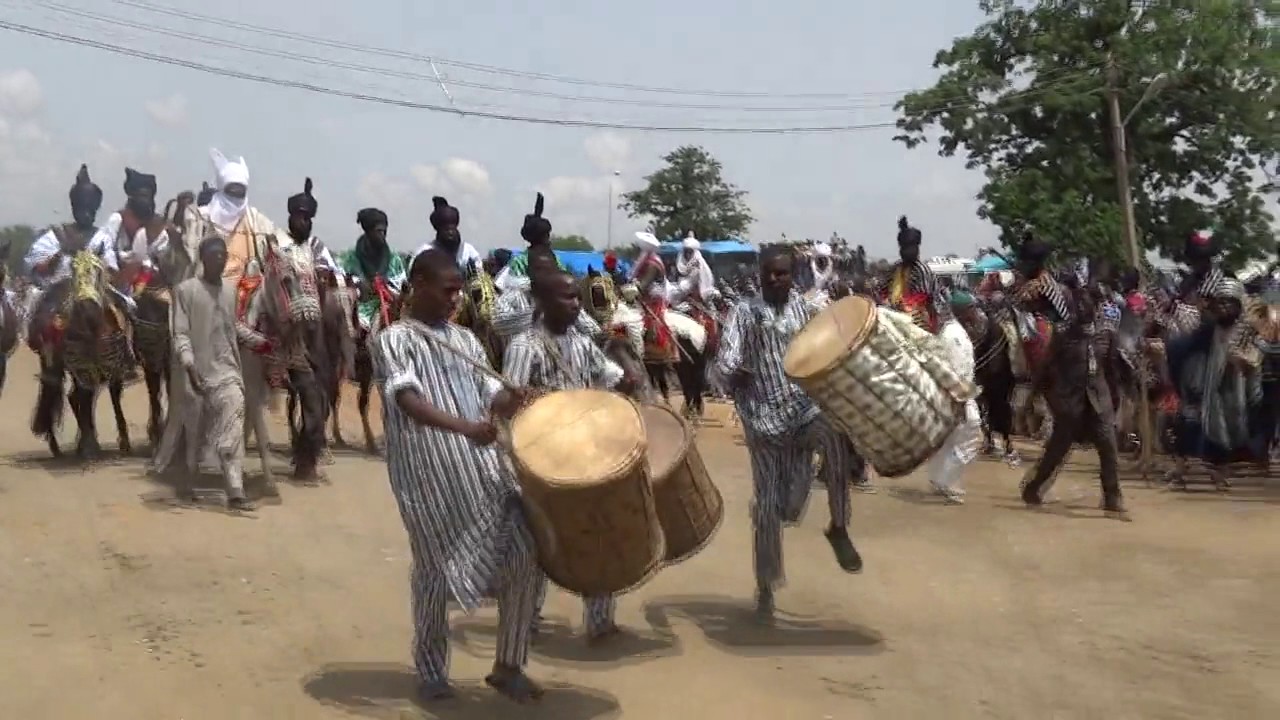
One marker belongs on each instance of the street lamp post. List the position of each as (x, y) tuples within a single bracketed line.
[(1120, 155), (616, 173)]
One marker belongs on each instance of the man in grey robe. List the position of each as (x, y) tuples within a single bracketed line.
[(207, 402)]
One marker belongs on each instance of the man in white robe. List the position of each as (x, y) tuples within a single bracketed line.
[(206, 402), (696, 284), (946, 468)]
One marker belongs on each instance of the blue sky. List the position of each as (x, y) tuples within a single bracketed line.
[(62, 104)]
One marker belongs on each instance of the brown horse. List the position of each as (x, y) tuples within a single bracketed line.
[(388, 312), (84, 335), (331, 352), (152, 290), (282, 305)]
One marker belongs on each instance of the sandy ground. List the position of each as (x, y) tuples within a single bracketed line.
[(119, 605)]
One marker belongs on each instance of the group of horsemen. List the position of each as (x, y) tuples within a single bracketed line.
[(103, 293), (127, 266)]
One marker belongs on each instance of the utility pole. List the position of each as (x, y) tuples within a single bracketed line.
[(1120, 156), (609, 242)]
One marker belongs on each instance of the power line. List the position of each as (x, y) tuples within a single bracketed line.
[(225, 72), (431, 107), (435, 77), (483, 68)]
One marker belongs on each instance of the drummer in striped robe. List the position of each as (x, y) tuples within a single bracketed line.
[(782, 425), (554, 354), (459, 502)]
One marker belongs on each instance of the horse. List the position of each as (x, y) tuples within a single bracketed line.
[(85, 335), (994, 339), (282, 304), (475, 311), (390, 302), (331, 351), (153, 292)]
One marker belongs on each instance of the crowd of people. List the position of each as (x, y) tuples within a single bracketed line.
[(1058, 355)]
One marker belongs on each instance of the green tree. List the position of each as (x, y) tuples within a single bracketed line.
[(15, 240), (690, 194), (570, 242), (1023, 98)]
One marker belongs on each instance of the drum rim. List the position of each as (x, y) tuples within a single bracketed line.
[(624, 467), (837, 359), (685, 445)]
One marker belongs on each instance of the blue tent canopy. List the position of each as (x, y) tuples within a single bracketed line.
[(711, 247), (989, 263), (577, 261)]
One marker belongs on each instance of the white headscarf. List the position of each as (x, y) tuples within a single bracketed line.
[(694, 269), (650, 244), (821, 277), (225, 211)]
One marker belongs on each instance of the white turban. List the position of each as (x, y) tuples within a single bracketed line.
[(691, 242), (229, 171), (225, 211), (647, 238), (822, 250)]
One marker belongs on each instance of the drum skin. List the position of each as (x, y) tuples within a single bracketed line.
[(881, 379), (690, 508), (579, 456)]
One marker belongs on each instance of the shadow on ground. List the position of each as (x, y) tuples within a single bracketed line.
[(732, 625), (558, 643), (387, 690)]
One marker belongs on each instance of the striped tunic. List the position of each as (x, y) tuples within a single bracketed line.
[(455, 498), (755, 339), (513, 313), (1043, 290), (538, 359)]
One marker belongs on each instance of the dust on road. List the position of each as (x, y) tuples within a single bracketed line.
[(119, 605)]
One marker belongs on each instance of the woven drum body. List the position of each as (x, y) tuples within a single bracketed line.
[(690, 507), (580, 459), (881, 380)]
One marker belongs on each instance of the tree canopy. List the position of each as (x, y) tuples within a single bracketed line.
[(15, 240), (1024, 98), (570, 242), (690, 194)]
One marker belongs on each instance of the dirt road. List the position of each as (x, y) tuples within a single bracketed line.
[(118, 605)]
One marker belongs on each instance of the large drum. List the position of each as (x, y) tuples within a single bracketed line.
[(882, 380), (580, 459), (689, 505)]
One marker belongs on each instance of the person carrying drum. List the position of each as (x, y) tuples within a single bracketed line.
[(554, 354), (459, 502), (782, 425)]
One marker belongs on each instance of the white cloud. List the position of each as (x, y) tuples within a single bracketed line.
[(579, 205), (608, 151), (169, 112), (380, 190), (20, 93), (453, 177)]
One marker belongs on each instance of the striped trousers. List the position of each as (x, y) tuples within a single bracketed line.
[(597, 611), (781, 478), (516, 589)]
